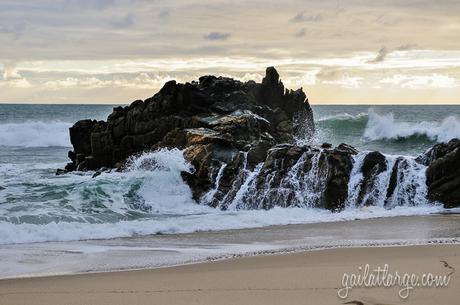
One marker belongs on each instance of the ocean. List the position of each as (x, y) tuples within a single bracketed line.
[(151, 198)]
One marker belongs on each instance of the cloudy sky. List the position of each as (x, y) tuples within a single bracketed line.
[(115, 51)]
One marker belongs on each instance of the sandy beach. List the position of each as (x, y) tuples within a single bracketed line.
[(309, 277), (229, 152)]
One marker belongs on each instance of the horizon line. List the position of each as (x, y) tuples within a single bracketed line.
[(312, 104)]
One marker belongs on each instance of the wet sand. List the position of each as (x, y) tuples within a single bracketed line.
[(59, 258), (308, 277)]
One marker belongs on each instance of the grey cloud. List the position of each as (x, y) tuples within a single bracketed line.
[(44, 30), (381, 55), (384, 51), (386, 20), (408, 46), (164, 13), (328, 74), (87, 4), (217, 36), (15, 29), (124, 22), (302, 17), (56, 5), (301, 33)]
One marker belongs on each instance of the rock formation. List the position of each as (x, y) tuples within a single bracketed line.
[(241, 138), (443, 173), (290, 175), (211, 114)]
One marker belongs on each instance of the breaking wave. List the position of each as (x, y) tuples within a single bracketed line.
[(374, 127), (151, 197), (385, 127), (35, 134), (215, 220), (343, 117)]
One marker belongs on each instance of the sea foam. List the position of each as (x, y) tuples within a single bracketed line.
[(35, 134), (150, 197), (214, 220), (385, 127)]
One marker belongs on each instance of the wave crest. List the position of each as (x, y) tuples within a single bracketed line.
[(343, 117), (35, 134), (385, 127)]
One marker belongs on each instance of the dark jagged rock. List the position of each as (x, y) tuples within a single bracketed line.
[(339, 166), (215, 121), (60, 171), (347, 148), (80, 137), (393, 179), (443, 173), (214, 110), (240, 138), (374, 164), (438, 151), (290, 175)]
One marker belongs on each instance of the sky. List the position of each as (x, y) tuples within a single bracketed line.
[(339, 52)]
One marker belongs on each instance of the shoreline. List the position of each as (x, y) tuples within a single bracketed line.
[(390, 244), (162, 251), (290, 278)]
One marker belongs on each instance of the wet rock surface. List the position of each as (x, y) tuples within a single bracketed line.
[(290, 175), (374, 164), (443, 173), (242, 140), (215, 110)]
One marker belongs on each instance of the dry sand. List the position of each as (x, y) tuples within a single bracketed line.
[(311, 277)]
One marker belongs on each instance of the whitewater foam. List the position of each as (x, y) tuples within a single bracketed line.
[(409, 183), (343, 117), (35, 134), (213, 221), (149, 198), (385, 127)]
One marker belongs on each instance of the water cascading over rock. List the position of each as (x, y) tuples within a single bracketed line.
[(249, 144), (387, 181), (291, 175)]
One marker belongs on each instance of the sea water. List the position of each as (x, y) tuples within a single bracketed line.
[(150, 197)]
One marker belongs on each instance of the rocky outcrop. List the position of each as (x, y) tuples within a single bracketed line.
[(215, 113), (443, 173), (395, 181), (290, 175), (240, 138), (373, 165)]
